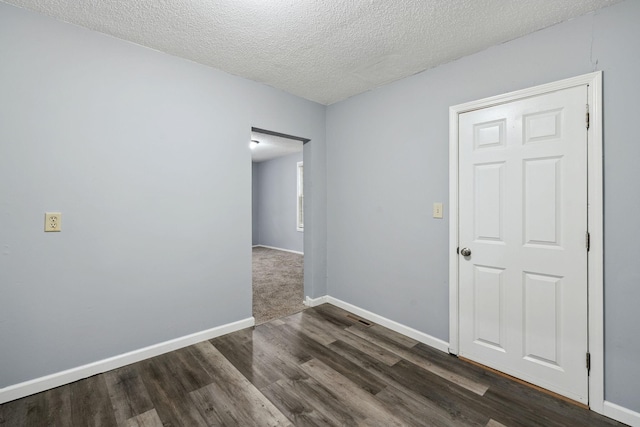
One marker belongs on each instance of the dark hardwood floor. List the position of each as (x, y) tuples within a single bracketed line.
[(314, 368)]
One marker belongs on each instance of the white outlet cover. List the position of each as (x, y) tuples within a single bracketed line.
[(52, 221)]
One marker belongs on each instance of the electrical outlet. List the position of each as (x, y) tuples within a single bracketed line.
[(437, 210), (52, 221)]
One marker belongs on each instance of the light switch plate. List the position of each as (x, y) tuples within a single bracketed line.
[(52, 221), (437, 210)]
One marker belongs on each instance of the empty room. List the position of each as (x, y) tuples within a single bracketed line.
[(469, 174)]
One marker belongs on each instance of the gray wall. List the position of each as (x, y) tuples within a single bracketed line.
[(146, 155), (277, 186), (387, 162)]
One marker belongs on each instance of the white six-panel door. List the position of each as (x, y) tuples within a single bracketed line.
[(523, 216)]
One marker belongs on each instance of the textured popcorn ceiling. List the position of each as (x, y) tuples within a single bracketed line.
[(322, 50)]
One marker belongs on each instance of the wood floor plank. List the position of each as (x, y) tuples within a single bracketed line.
[(210, 407), (351, 395), (267, 360), (416, 410), (271, 337), (36, 410), (451, 363), (169, 398), (316, 330), (28, 411), (296, 340), (308, 403), (233, 399), (401, 351), (221, 408), (128, 395), (58, 406), (339, 333), (288, 358), (240, 352), (430, 390), (90, 403), (458, 401), (399, 339), (334, 315), (146, 419), (186, 370)]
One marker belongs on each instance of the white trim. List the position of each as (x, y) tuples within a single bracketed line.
[(453, 230), (37, 385), (436, 343), (621, 414), (595, 222), (313, 302), (596, 251), (300, 195), (278, 249)]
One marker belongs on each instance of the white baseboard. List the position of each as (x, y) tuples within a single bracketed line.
[(313, 302), (427, 339), (37, 385), (278, 249), (621, 414)]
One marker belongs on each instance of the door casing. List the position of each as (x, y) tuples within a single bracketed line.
[(594, 211)]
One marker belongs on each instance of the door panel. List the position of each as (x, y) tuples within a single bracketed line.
[(542, 204), (523, 215), (488, 196), (542, 307), (488, 324)]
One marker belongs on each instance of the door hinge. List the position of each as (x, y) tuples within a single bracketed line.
[(588, 118), (588, 241), (588, 362)]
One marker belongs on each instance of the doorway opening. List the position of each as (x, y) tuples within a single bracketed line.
[(277, 169)]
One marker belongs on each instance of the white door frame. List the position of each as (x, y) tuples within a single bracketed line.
[(594, 211)]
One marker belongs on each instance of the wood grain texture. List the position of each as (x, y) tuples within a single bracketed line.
[(391, 345), (128, 394), (316, 326), (306, 402), (90, 403), (417, 411), (169, 398), (231, 396), (146, 419), (314, 368), (361, 403), (438, 397)]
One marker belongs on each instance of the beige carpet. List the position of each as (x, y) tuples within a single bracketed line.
[(277, 284)]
